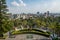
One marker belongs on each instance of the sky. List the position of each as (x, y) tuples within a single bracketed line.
[(33, 6)]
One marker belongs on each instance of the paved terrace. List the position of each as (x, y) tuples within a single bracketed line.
[(24, 35)]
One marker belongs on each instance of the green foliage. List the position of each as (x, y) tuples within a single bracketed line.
[(49, 22), (5, 23), (31, 31)]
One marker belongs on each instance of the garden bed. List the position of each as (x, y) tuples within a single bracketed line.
[(31, 31)]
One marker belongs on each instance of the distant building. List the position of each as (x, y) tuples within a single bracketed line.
[(23, 16), (27, 16), (16, 16), (57, 15), (38, 12), (46, 14)]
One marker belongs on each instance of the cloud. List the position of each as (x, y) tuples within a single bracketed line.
[(22, 3), (18, 4), (14, 3), (52, 6)]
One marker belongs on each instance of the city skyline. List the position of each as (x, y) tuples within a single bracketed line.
[(32, 6)]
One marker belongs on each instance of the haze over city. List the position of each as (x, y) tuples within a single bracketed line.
[(32, 6)]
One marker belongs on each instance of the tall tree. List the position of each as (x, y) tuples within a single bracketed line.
[(3, 18)]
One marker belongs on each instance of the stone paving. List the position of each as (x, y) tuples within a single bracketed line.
[(24, 37)]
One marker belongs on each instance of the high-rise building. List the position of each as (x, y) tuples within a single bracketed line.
[(38, 12), (46, 14)]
